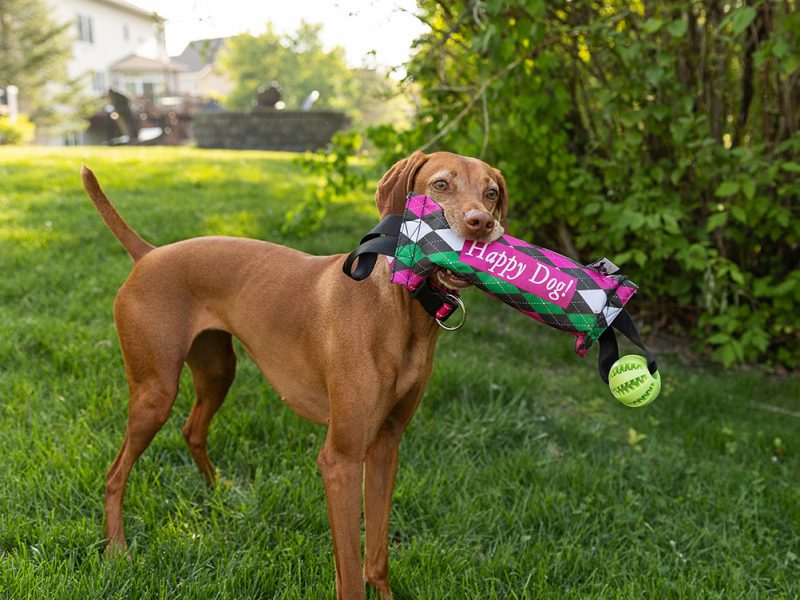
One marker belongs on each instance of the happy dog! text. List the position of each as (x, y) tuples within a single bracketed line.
[(522, 270)]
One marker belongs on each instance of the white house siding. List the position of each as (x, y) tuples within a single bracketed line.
[(118, 30)]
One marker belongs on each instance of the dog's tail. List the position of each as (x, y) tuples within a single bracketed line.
[(134, 244)]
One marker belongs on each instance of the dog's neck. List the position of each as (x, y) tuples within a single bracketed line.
[(439, 303), (403, 304)]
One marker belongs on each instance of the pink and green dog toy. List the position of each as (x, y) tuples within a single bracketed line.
[(585, 301)]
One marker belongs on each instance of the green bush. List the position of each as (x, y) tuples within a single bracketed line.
[(662, 135), (338, 180), (21, 132)]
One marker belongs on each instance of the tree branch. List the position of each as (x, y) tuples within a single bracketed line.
[(464, 111), (555, 38), (486, 125)]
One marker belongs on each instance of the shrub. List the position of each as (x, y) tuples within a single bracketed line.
[(339, 180), (21, 132), (665, 136)]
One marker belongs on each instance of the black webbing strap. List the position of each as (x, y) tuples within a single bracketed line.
[(609, 351), (432, 300), (381, 240)]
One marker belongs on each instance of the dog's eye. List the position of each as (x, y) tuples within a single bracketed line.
[(440, 185), (491, 194)]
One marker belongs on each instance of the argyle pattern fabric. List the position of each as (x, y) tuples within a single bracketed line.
[(539, 283)]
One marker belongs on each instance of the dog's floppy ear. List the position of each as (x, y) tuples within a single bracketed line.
[(502, 203), (395, 185)]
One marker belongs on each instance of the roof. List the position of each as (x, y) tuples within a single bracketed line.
[(199, 54), (132, 8), (134, 62)]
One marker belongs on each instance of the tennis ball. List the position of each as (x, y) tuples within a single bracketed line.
[(631, 382)]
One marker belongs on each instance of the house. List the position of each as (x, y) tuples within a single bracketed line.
[(117, 45), (197, 73)]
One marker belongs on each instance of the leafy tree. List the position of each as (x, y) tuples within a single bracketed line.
[(665, 135), (299, 64), (296, 62), (34, 51), (371, 97)]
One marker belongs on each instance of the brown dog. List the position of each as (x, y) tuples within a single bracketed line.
[(355, 356)]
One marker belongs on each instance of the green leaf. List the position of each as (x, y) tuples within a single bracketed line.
[(716, 220), (677, 28), (726, 355), (790, 64), (792, 167), (762, 287), (757, 338), (742, 18), (631, 219), (654, 74), (784, 288), (761, 56), (652, 25), (592, 208), (719, 338), (670, 223), (749, 189), (629, 118), (780, 48), (739, 214), (633, 137), (727, 188), (736, 275), (536, 8)]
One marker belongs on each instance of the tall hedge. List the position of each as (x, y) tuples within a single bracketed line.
[(664, 135)]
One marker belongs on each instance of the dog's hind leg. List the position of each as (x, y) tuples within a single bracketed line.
[(154, 357), (150, 405), (212, 361)]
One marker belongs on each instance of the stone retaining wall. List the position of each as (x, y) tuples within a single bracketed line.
[(293, 131)]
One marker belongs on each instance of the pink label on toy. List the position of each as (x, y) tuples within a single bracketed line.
[(521, 270)]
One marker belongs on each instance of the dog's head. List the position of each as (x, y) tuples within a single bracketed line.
[(472, 193)]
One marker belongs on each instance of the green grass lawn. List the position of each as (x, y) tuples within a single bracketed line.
[(520, 477)]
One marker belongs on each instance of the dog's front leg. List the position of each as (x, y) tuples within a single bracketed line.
[(342, 471), (380, 469)]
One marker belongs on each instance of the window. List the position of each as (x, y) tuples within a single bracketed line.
[(99, 81), (149, 90), (85, 29), (126, 32)]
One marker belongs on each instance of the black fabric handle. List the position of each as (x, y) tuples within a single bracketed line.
[(381, 240), (389, 225), (609, 350), (367, 255)]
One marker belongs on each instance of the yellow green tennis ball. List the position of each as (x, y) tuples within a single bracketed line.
[(631, 382)]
